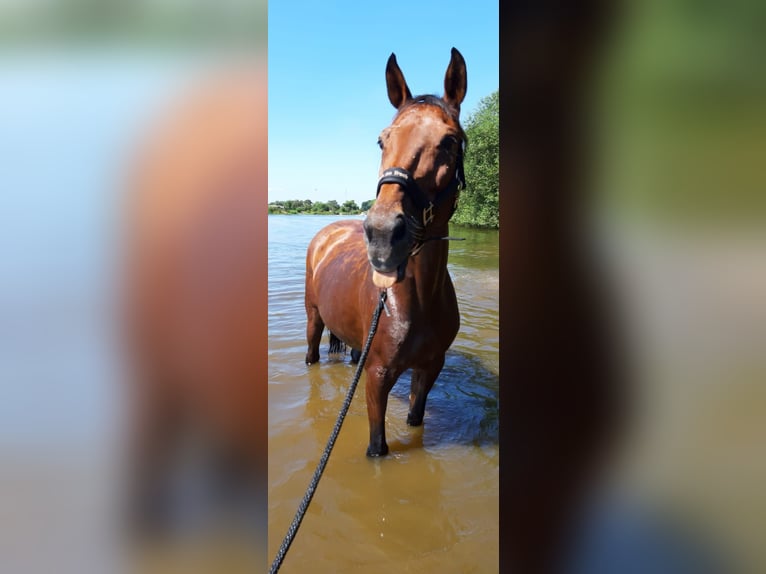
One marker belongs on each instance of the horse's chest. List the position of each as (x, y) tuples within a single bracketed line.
[(412, 335), (399, 328)]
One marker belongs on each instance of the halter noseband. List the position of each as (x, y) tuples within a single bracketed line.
[(404, 179)]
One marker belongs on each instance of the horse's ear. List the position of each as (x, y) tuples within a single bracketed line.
[(455, 80), (398, 92)]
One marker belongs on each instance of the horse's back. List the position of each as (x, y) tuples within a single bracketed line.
[(338, 247), (338, 240)]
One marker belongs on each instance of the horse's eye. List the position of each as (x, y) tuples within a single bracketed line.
[(448, 143), (380, 143)]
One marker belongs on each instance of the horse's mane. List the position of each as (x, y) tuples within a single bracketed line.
[(433, 100)]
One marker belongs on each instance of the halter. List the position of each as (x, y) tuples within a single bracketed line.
[(419, 222)]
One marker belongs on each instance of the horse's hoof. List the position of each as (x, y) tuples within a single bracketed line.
[(375, 452), (312, 358), (414, 421), (355, 356)]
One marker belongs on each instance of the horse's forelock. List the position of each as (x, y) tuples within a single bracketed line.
[(430, 99)]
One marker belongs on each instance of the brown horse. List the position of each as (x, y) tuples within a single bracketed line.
[(195, 287), (397, 249)]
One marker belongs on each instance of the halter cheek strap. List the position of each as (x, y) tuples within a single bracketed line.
[(404, 179)]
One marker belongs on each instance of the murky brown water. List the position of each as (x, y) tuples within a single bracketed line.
[(432, 504)]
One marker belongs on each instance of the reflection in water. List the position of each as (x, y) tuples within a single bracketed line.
[(462, 406), (431, 505)]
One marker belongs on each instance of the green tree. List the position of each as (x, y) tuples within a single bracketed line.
[(478, 205), (349, 206), (366, 205), (298, 206)]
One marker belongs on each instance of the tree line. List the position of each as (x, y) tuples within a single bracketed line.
[(478, 205), (332, 207)]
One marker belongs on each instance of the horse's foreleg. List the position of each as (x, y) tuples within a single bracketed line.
[(380, 381), (422, 381), (314, 330)]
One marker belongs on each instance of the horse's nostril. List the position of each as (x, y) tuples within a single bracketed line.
[(367, 229), (400, 228)]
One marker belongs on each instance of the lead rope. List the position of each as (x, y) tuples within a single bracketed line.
[(303, 506)]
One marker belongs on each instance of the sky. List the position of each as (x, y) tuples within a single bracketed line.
[(327, 87)]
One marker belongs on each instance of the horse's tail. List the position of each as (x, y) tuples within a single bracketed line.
[(336, 345)]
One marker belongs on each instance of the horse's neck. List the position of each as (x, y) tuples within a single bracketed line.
[(429, 272)]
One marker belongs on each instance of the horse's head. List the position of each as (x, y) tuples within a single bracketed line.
[(421, 171)]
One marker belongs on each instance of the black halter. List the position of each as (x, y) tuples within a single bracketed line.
[(426, 207)]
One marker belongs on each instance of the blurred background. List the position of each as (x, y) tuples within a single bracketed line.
[(678, 110), (683, 140), (81, 85)]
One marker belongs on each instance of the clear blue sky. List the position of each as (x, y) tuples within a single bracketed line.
[(327, 88)]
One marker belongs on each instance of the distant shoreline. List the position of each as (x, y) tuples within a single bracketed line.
[(309, 207), (310, 213)]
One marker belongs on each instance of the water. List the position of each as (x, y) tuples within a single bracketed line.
[(432, 504)]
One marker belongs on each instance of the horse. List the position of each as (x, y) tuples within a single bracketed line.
[(194, 293), (399, 249)]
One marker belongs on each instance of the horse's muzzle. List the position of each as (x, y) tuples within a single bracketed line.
[(388, 241)]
